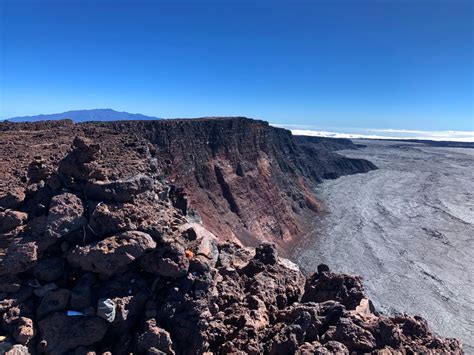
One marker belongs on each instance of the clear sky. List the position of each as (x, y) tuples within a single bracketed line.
[(405, 64)]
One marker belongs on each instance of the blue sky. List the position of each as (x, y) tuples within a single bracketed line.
[(405, 64)]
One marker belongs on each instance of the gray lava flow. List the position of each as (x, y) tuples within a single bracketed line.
[(408, 229)]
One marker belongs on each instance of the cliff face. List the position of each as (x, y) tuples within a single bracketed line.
[(98, 256), (256, 178), (246, 180), (332, 144)]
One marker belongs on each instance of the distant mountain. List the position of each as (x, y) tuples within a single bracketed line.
[(105, 114)]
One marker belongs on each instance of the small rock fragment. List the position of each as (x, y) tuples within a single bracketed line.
[(24, 331), (154, 339), (18, 349)]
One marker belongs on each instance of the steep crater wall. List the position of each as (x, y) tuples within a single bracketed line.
[(247, 180)]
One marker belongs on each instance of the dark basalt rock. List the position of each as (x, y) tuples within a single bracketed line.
[(168, 261), (81, 293), (24, 331), (60, 333), (12, 198), (10, 219), (54, 300), (154, 340), (324, 286), (9, 284), (79, 165), (49, 269)]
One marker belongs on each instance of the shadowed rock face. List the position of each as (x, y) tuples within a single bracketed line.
[(149, 280)]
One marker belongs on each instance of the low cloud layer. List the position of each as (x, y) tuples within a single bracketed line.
[(454, 136)]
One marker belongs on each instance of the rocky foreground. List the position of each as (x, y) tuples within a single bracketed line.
[(102, 257)]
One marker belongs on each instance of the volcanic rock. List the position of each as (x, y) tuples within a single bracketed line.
[(112, 254), (38, 170), (20, 256), (24, 331), (65, 215), (168, 260), (41, 291), (81, 293), (118, 191), (12, 198), (9, 284), (79, 165), (324, 286), (49, 269), (54, 300), (351, 335), (17, 349), (11, 219), (60, 333), (154, 340)]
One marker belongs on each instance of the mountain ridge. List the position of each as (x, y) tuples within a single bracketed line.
[(101, 114)]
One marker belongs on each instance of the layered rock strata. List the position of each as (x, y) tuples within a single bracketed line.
[(247, 181)]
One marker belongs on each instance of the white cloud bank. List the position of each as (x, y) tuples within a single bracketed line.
[(453, 136)]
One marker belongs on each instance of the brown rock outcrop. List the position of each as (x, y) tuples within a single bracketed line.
[(20, 256), (65, 216), (112, 254), (154, 340)]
